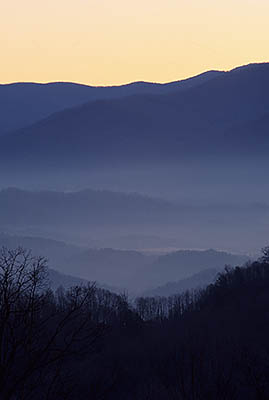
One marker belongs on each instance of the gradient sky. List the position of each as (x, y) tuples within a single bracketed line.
[(102, 42)]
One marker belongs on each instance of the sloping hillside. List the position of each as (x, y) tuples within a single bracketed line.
[(147, 127), (30, 102)]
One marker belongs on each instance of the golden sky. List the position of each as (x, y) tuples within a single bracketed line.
[(103, 42)]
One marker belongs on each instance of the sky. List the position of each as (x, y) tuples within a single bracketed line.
[(105, 42)]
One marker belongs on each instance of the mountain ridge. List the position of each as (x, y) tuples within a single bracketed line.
[(34, 101), (212, 71), (138, 127)]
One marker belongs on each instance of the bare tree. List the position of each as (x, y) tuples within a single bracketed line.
[(38, 335), (265, 252)]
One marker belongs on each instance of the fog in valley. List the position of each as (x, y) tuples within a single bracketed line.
[(134, 225), (107, 181)]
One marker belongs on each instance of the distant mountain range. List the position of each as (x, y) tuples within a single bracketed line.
[(190, 262), (218, 116), (23, 104), (119, 270), (201, 144), (194, 282), (102, 208), (74, 265), (82, 209), (57, 279), (95, 218)]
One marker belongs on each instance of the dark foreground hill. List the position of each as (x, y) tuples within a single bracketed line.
[(90, 343)]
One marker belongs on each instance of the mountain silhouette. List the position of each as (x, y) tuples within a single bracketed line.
[(23, 104), (196, 281), (148, 127), (82, 209), (184, 264)]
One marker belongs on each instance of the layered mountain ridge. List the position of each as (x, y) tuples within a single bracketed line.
[(31, 102), (207, 119)]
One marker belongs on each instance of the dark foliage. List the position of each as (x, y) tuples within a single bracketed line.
[(87, 343)]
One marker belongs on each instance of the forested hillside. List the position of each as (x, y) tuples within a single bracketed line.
[(89, 343)]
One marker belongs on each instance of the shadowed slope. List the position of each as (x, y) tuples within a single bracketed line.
[(148, 127), (22, 104)]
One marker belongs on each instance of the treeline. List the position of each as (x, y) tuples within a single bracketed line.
[(160, 308), (43, 332), (88, 343)]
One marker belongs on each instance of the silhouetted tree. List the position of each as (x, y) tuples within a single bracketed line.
[(37, 332), (265, 252)]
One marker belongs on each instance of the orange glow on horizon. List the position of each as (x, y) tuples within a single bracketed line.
[(100, 42)]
